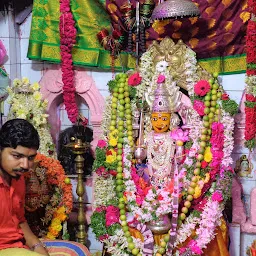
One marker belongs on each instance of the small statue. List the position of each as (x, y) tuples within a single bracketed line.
[(161, 146), (244, 167)]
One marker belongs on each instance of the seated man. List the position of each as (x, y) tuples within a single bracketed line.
[(19, 142)]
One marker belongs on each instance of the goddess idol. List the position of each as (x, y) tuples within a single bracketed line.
[(160, 144)]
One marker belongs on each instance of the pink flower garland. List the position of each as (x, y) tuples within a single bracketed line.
[(67, 40)]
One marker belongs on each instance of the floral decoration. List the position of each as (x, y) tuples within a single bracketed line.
[(26, 102), (61, 202), (160, 79), (134, 79), (203, 181), (202, 88), (67, 40), (250, 105), (199, 107)]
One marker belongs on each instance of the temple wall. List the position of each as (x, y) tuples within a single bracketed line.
[(15, 38)]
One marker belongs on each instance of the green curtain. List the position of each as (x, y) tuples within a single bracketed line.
[(90, 17)]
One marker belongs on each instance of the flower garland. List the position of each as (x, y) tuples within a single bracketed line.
[(26, 102), (204, 177), (67, 40), (61, 203), (250, 101)]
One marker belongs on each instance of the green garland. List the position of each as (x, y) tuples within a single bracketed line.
[(250, 104), (98, 224), (230, 106)]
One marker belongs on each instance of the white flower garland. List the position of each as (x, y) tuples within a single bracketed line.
[(186, 229), (143, 216), (106, 117), (26, 102), (116, 244), (229, 124), (250, 85), (103, 188)]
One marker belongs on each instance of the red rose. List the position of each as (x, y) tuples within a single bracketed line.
[(113, 172), (251, 72), (204, 164), (250, 97), (109, 153), (225, 96), (160, 197), (134, 79)]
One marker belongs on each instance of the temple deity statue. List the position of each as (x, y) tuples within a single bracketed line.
[(160, 145), (169, 163)]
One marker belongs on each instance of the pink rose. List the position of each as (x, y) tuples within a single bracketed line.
[(160, 79), (112, 215), (102, 144), (134, 79), (217, 196)]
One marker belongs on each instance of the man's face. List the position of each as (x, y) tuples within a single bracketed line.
[(15, 162), (160, 121)]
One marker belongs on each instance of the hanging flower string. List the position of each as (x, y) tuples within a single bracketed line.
[(67, 40), (250, 101)]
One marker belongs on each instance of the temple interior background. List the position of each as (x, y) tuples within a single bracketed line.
[(16, 39)]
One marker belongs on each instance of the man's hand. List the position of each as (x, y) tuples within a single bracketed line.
[(32, 240)]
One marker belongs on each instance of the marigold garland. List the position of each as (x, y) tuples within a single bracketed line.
[(56, 177)]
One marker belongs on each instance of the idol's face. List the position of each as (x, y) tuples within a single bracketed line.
[(14, 162), (160, 122)]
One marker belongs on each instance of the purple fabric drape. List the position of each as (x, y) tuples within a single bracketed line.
[(219, 31)]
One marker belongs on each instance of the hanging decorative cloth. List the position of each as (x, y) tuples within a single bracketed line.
[(90, 18)]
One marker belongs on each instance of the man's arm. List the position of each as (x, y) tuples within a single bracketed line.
[(32, 240)]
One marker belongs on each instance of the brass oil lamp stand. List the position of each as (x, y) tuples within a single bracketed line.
[(79, 148)]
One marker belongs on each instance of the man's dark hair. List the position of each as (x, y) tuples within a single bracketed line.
[(19, 132)]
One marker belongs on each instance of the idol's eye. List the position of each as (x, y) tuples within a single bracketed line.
[(154, 118), (164, 118)]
